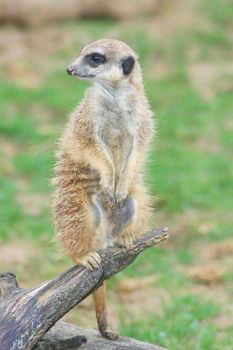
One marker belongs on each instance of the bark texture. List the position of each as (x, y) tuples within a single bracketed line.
[(26, 315), (63, 336)]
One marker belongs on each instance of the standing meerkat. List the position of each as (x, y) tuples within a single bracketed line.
[(100, 198)]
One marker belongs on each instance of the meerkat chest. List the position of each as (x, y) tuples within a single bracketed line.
[(117, 132)]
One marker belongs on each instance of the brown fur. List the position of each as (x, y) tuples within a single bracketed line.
[(99, 297), (101, 155)]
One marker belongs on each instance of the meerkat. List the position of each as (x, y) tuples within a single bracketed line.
[(100, 198)]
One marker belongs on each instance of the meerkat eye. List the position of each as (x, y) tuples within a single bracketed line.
[(95, 59)]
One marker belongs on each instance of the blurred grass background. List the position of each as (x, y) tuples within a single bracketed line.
[(177, 295)]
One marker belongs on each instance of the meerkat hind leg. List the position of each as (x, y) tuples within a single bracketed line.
[(123, 216), (92, 260), (140, 221)]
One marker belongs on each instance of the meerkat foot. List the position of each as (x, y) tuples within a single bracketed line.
[(126, 240), (109, 334), (91, 261)]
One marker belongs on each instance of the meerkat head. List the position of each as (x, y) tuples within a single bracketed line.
[(107, 61)]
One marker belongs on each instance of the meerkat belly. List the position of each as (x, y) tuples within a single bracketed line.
[(119, 144)]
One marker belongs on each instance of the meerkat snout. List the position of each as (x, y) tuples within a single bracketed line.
[(107, 60), (70, 70)]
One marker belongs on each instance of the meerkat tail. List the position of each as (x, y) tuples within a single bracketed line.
[(99, 297)]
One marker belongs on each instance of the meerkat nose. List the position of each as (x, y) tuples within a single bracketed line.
[(70, 70)]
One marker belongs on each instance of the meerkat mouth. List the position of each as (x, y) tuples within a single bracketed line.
[(84, 76), (74, 72)]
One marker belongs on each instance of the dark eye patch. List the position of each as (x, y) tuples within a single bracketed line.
[(95, 59), (128, 64)]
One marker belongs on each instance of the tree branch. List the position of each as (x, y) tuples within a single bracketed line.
[(26, 315), (63, 336)]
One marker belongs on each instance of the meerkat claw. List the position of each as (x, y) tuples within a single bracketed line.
[(126, 240), (91, 261)]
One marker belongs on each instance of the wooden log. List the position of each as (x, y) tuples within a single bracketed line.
[(27, 314), (63, 336)]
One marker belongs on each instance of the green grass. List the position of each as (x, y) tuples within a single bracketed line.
[(221, 15), (190, 172), (182, 320)]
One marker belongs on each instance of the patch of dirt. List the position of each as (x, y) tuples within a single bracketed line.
[(221, 249), (205, 227), (15, 253), (139, 295), (191, 227), (40, 112), (22, 75), (128, 285), (210, 274), (158, 69), (224, 319), (45, 117), (207, 145), (7, 151), (209, 77), (32, 203), (26, 61), (214, 252), (8, 148), (214, 292), (175, 17), (184, 226)]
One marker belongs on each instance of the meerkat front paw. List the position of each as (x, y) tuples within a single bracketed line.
[(126, 240), (122, 189), (107, 185), (123, 215), (91, 261), (121, 197), (108, 194)]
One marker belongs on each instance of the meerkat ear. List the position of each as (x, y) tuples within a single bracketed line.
[(128, 64)]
